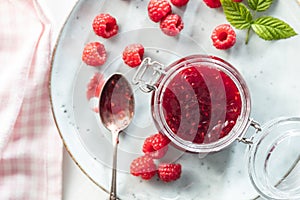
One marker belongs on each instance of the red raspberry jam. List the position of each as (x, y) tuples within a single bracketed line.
[(201, 104), (116, 99)]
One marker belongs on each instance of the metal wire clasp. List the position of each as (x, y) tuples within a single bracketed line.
[(148, 74), (257, 128)]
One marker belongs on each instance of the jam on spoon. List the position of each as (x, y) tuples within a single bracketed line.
[(116, 108)]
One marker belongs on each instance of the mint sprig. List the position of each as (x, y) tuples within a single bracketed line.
[(266, 27)]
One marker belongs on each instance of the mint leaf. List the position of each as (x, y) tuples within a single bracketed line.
[(270, 28), (237, 14), (260, 5)]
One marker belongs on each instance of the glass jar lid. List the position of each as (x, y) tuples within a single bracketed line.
[(274, 165)]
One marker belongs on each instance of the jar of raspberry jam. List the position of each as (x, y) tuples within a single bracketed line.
[(200, 102), (203, 105)]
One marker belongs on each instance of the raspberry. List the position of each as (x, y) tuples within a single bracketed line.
[(179, 3), (105, 25), (158, 9), (133, 55), (213, 3), (94, 54), (223, 36), (156, 145), (169, 172), (94, 86), (171, 25), (143, 166)]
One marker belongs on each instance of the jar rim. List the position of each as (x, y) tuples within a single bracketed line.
[(242, 122)]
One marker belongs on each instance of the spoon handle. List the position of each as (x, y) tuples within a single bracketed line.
[(113, 189)]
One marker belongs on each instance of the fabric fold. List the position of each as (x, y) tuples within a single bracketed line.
[(30, 147)]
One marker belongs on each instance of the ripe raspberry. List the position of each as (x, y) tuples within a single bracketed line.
[(105, 25), (169, 172), (156, 145), (171, 25), (213, 3), (223, 36), (158, 9), (179, 3), (143, 166), (94, 54), (133, 55), (94, 86)]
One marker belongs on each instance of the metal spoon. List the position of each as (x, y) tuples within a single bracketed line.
[(116, 108)]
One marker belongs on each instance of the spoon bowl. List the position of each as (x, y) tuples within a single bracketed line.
[(116, 109)]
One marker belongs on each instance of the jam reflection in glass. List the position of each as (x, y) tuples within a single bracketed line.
[(201, 104)]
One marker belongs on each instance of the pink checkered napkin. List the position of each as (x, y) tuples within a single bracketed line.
[(30, 147)]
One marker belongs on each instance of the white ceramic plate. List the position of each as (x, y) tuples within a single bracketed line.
[(271, 70)]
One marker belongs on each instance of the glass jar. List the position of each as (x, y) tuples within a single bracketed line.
[(202, 104)]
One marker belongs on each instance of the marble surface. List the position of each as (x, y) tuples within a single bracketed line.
[(271, 75), (76, 185)]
